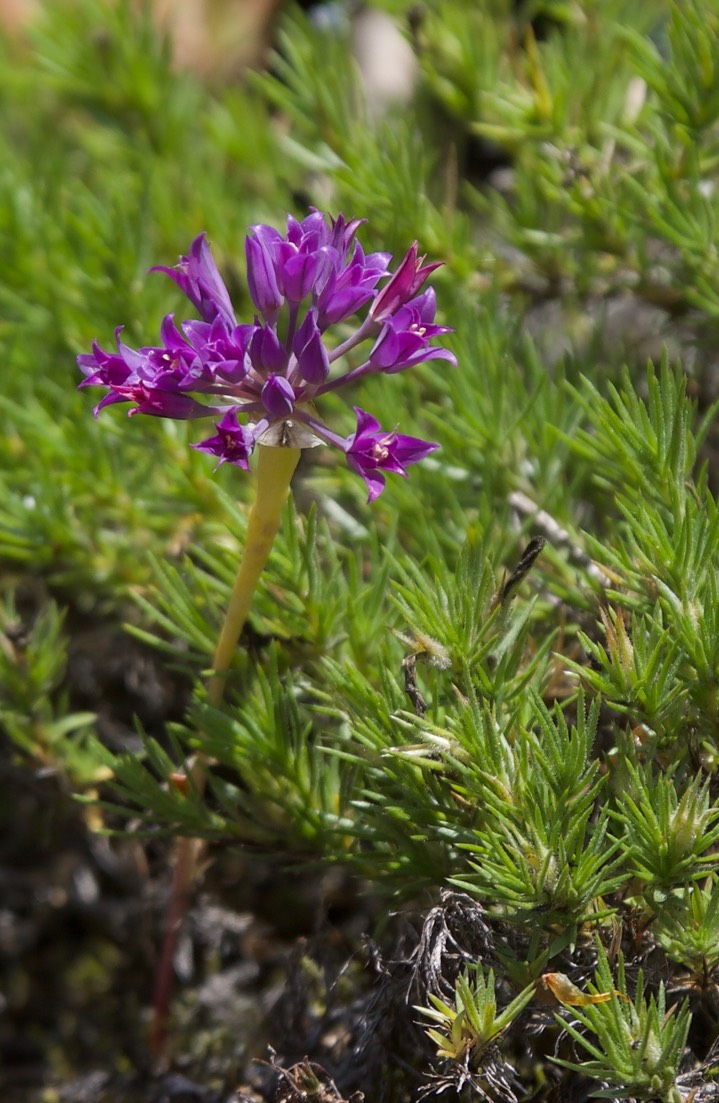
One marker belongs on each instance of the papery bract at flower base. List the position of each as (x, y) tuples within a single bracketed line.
[(271, 372)]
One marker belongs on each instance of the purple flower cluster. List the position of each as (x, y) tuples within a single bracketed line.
[(260, 380)]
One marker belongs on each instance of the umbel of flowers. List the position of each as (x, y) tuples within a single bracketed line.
[(260, 380)]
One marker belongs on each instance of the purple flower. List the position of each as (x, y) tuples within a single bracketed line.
[(371, 450), (313, 362), (341, 290), (197, 275), (267, 354), (299, 273), (405, 336), (278, 397), (152, 378), (261, 274), (232, 443), (262, 378), (222, 350), (405, 283)]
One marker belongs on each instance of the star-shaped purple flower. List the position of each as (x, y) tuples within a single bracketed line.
[(232, 443), (371, 450)]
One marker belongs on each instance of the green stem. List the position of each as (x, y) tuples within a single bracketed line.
[(275, 469)]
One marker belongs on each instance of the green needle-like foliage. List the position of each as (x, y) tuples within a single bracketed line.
[(34, 712), (469, 1027), (687, 928), (637, 1042), (670, 837), (499, 682)]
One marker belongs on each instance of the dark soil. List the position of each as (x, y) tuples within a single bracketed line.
[(266, 951)]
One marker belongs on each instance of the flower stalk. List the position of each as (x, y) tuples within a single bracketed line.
[(275, 469)]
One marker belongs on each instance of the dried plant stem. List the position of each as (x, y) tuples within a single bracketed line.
[(275, 469)]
